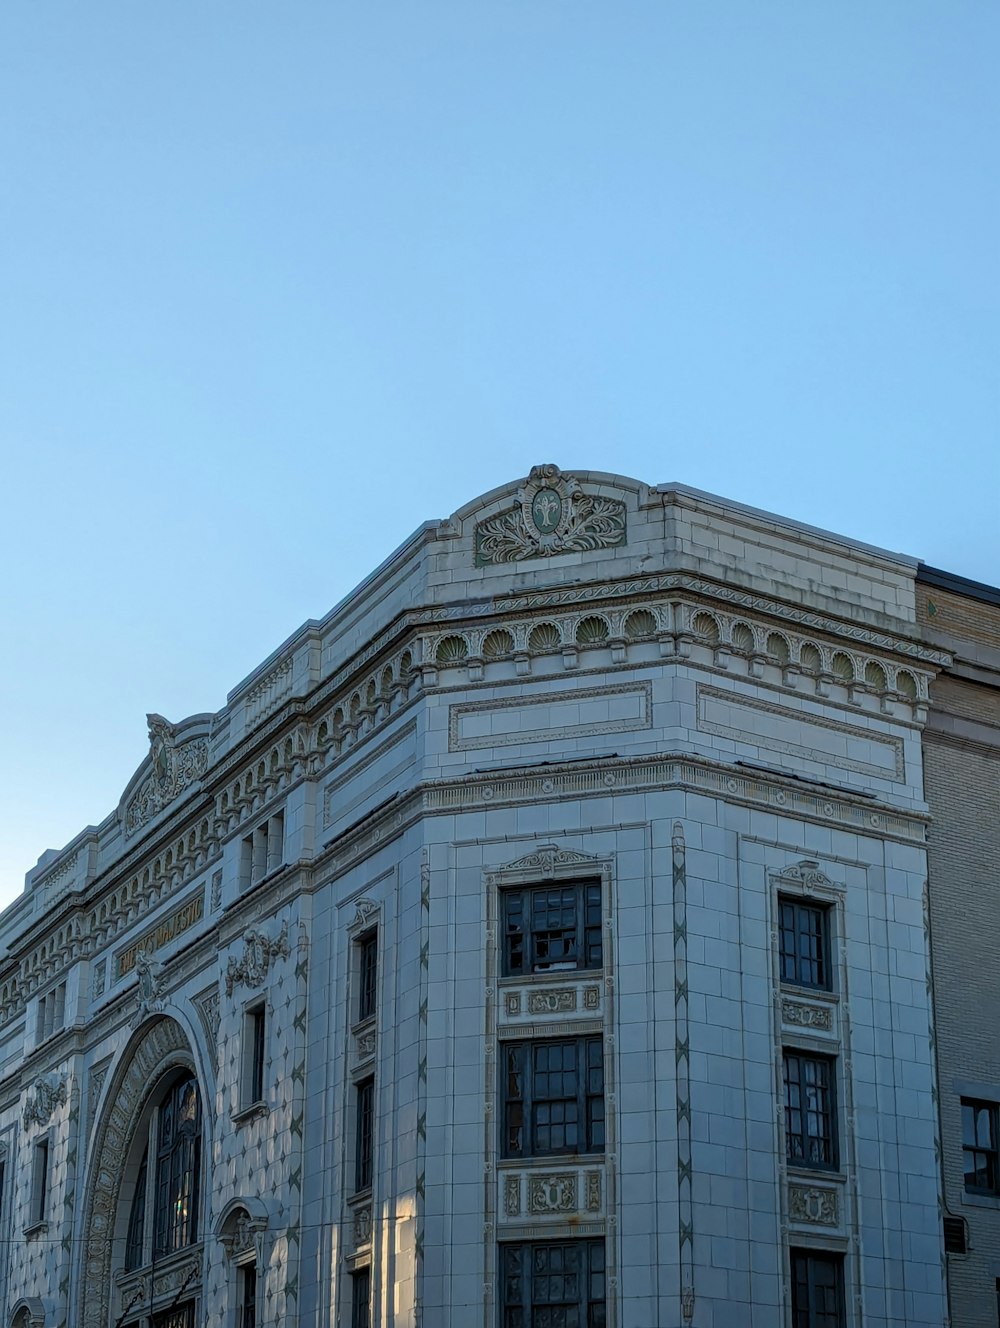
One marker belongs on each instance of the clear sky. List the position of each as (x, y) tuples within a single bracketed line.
[(279, 282)]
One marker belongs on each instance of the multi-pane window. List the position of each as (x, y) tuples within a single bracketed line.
[(979, 1146), (361, 1295), (817, 1290), (181, 1317), (552, 928), (178, 1169), (553, 1097), (367, 974), (804, 931), (553, 1284), (364, 1148), (810, 1126)]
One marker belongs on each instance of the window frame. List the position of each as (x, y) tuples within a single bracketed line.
[(587, 927), (812, 1315), (588, 1102), (246, 1275), (830, 1139), (254, 1054), (41, 1176), (361, 1296), (520, 1311), (367, 969), (991, 1153), (800, 906), (364, 1134)]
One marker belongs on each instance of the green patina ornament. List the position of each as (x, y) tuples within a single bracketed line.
[(546, 510)]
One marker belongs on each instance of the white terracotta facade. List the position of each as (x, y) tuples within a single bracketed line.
[(702, 711)]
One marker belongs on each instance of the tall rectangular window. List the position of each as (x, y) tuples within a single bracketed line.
[(549, 929), (181, 1317), (817, 1290), (810, 1125), (804, 944), (979, 1146), (254, 1050), (248, 1297), (364, 1149), (553, 1097), (40, 1182), (361, 1298), (367, 975), (553, 1284)]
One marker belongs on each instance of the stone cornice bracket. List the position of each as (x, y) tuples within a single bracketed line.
[(50, 1091), (553, 514), (175, 765), (258, 951)]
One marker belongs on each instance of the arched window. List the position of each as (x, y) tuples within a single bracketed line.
[(164, 1213)]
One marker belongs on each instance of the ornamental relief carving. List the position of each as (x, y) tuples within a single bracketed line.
[(175, 766), (559, 1000), (814, 1205), (553, 515), (258, 951), (48, 1092), (807, 1016), (552, 1194)]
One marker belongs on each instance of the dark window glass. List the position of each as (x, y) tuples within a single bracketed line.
[(361, 1296), (548, 929), (979, 1146), (181, 1317), (804, 943), (553, 1284), (135, 1239), (553, 1097), (248, 1297), (810, 1134), (40, 1181), (178, 1169), (256, 1034), (367, 987), (817, 1290), (365, 1134)]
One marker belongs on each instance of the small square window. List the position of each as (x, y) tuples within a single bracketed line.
[(367, 975), (810, 1110), (364, 1149), (552, 928), (553, 1097), (817, 1290), (804, 943), (979, 1146)]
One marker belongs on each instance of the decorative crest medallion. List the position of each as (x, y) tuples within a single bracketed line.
[(175, 766), (553, 515), (258, 951)]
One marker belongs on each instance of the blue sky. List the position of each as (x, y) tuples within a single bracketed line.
[(280, 282)]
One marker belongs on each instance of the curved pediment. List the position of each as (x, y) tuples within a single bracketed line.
[(549, 513), (178, 757)]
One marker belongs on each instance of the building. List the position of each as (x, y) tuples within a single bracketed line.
[(961, 744), (540, 937)]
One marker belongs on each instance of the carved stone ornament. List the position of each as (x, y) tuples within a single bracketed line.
[(512, 1195), (243, 1236), (808, 1203), (175, 766), (806, 1016), (593, 1184), (364, 911), (547, 857), (47, 1092), (552, 1194), (150, 974), (804, 873), (362, 1225), (258, 951), (553, 515), (552, 1002)]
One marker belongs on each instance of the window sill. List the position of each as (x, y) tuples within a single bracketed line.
[(554, 975), (255, 1111), (980, 1200), (548, 1161), (36, 1229), (799, 1170)]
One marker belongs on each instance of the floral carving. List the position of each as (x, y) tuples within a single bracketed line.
[(362, 1226), (49, 1091), (551, 1002), (175, 766), (553, 515), (258, 951), (806, 1016), (512, 1195), (593, 1191)]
